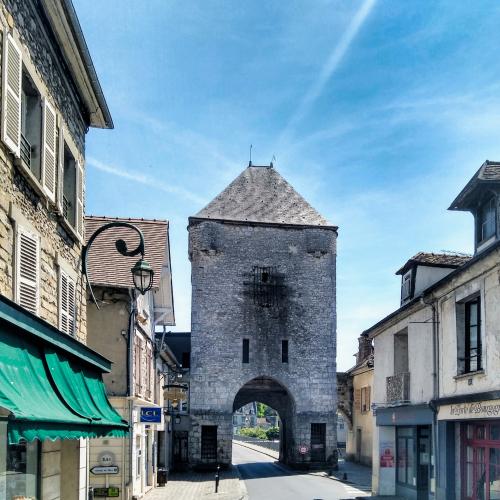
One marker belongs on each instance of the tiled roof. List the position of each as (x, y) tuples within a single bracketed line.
[(261, 194), (488, 173), (435, 259), (106, 267)]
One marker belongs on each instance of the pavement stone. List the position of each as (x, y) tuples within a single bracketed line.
[(200, 486)]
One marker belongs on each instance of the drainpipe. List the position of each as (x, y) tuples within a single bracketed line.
[(130, 385), (435, 385)]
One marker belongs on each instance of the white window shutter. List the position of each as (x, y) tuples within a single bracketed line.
[(11, 94), (79, 198), (27, 269), (67, 303), (60, 169), (49, 159)]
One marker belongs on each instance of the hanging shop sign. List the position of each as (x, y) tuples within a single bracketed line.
[(465, 411), (150, 415)]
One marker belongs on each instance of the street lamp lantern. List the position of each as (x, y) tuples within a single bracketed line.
[(142, 274)]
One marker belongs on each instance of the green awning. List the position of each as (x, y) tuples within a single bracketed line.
[(52, 394)]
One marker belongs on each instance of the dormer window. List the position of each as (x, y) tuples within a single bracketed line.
[(406, 286), (487, 220)]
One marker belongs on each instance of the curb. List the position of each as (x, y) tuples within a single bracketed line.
[(253, 448)]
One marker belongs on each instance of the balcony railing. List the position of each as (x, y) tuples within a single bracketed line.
[(398, 388)]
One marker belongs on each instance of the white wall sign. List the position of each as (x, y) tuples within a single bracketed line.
[(464, 411), (101, 469)]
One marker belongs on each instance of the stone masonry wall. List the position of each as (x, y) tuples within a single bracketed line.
[(18, 197), (224, 312)]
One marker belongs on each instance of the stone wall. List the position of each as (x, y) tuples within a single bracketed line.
[(225, 311), (21, 199)]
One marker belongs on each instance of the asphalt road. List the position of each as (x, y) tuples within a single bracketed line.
[(266, 480)]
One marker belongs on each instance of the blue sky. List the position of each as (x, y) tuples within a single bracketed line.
[(378, 112)]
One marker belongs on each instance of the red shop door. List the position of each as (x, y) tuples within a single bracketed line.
[(481, 464)]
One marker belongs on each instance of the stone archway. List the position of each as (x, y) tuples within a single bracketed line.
[(272, 393)]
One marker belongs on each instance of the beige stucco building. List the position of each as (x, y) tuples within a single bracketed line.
[(360, 428), (123, 328)]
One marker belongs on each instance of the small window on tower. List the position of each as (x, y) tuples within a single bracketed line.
[(246, 351), (284, 351), (265, 286)]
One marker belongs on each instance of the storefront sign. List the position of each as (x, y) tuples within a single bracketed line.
[(104, 469), (111, 492), (151, 415), (464, 411), (386, 454)]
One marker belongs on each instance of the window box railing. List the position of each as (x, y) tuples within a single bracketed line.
[(66, 208), (398, 388), (25, 151)]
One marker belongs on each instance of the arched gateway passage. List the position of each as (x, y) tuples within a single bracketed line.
[(270, 392)]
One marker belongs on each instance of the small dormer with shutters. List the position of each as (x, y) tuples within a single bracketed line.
[(481, 197), (424, 269), (50, 96)]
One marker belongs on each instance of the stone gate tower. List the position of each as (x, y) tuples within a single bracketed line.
[(263, 318)]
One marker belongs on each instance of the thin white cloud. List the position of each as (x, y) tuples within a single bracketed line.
[(146, 180), (330, 66)]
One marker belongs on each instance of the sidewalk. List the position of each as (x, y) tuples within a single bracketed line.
[(360, 475), (200, 486)]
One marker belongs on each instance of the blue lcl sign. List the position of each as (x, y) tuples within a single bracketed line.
[(151, 415)]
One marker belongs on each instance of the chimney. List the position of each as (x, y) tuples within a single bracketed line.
[(365, 348)]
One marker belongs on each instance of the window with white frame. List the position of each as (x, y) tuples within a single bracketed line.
[(487, 225), (67, 303), (406, 285), (470, 349), (31, 127), (27, 268)]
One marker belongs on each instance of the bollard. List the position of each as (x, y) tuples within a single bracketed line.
[(344, 477), (217, 480)]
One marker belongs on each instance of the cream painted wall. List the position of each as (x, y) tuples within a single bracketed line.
[(363, 421), (420, 332), (482, 278), (119, 448), (104, 335)]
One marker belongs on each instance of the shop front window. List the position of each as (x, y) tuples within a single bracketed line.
[(405, 456), (19, 468), (481, 461)]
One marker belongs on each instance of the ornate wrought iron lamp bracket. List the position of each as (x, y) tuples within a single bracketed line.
[(121, 247)]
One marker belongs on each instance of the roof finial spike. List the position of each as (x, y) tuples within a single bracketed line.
[(250, 160), (273, 159)]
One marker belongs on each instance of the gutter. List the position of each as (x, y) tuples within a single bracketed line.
[(195, 220), (85, 54)]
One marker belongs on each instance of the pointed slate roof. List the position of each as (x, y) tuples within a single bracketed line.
[(261, 194)]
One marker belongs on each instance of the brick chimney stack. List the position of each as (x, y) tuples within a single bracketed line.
[(365, 347)]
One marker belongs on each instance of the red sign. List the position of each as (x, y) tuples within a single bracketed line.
[(303, 450)]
